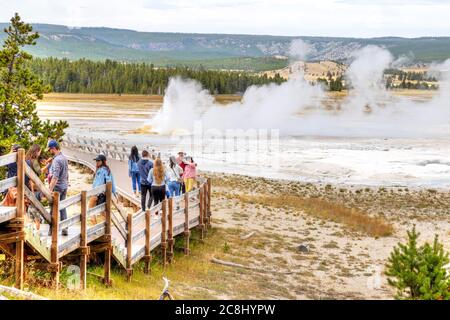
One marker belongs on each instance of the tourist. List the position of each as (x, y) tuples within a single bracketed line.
[(174, 172), (32, 159), (180, 161), (145, 165), (133, 170), (157, 178), (102, 176), (12, 167), (190, 173), (60, 177)]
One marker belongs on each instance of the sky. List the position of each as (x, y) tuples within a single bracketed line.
[(346, 18)]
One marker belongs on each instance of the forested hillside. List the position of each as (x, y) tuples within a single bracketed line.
[(216, 51), (85, 76)]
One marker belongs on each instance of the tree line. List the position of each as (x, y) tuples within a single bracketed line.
[(86, 76)]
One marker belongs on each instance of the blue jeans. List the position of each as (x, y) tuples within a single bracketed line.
[(136, 181), (174, 188)]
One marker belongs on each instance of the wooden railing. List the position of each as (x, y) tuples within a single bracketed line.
[(127, 236), (110, 150)]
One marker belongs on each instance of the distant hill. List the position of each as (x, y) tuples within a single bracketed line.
[(217, 51)]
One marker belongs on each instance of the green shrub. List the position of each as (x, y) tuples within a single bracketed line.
[(417, 272)]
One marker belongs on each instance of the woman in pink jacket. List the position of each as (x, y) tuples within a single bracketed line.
[(190, 173)]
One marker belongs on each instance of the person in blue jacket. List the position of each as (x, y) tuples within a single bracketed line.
[(145, 165), (133, 170), (102, 175)]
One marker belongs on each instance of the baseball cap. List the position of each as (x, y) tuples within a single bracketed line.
[(100, 157), (16, 147), (52, 144)]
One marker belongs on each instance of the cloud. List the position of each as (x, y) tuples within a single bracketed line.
[(345, 18)]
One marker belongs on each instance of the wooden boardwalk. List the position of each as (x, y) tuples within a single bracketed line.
[(121, 229)]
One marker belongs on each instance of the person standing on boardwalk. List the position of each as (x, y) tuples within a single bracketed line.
[(190, 173), (102, 176), (12, 167), (174, 172), (145, 165), (133, 170), (60, 177), (180, 162), (157, 177), (32, 159)]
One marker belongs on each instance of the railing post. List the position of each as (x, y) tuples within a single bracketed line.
[(187, 232), (148, 232), (107, 265), (170, 241), (83, 240), (129, 245), (201, 225), (205, 207), (19, 226), (54, 247), (208, 210), (164, 233)]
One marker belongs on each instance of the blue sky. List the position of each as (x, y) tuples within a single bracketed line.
[(347, 18)]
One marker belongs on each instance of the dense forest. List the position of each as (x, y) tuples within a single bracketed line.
[(86, 76)]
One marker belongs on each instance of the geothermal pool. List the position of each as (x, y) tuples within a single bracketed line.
[(372, 158)]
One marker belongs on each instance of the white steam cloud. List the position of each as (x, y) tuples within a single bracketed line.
[(298, 108)]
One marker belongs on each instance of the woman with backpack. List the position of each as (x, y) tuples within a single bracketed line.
[(133, 171), (174, 172), (102, 175), (158, 178)]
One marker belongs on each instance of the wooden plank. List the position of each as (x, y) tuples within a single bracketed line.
[(55, 230), (115, 202), (38, 205), (119, 227), (83, 239), (129, 245), (96, 191), (209, 213), (156, 208), (164, 233), (8, 183), (69, 201), (187, 232), (8, 159), (147, 241), (202, 233), (69, 222), (96, 210), (20, 205), (107, 262), (170, 240), (139, 217), (38, 183), (7, 213)]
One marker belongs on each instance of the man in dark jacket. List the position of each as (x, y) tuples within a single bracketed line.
[(144, 166)]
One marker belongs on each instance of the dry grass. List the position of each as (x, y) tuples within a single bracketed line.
[(351, 217)]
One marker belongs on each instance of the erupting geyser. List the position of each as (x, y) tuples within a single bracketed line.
[(296, 106)]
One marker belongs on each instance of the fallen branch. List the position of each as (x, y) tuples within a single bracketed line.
[(20, 294), (237, 265), (248, 236)]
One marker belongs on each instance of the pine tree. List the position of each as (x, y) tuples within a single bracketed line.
[(19, 90), (418, 273)]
